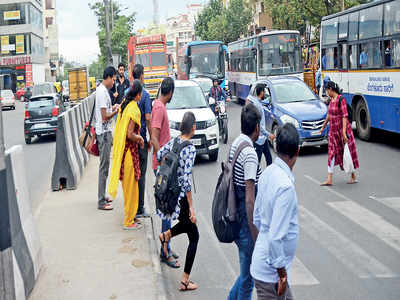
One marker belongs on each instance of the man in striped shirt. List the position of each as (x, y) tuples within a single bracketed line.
[(246, 172)]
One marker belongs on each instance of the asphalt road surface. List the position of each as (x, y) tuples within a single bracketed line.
[(39, 156), (349, 246)]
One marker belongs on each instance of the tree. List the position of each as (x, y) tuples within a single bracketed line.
[(96, 69), (120, 33), (225, 24)]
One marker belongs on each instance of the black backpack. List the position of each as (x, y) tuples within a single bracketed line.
[(224, 213), (349, 109), (166, 188)]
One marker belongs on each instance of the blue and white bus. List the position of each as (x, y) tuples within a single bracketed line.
[(360, 51), (272, 53)]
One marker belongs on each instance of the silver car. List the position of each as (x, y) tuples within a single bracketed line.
[(7, 98)]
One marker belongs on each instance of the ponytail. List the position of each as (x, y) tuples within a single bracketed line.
[(334, 87)]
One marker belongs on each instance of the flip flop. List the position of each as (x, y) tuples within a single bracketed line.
[(354, 182), (186, 286), (106, 207), (326, 184), (170, 263)]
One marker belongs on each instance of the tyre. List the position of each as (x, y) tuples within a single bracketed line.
[(213, 156), (275, 132), (363, 121), (28, 140), (225, 132)]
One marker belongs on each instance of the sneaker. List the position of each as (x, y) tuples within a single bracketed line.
[(134, 226)]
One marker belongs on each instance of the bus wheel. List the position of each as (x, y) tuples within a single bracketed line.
[(363, 121)]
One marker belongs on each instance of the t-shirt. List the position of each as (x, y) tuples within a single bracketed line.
[(103, 100), (159, 119), (246, 167), (145, 108)]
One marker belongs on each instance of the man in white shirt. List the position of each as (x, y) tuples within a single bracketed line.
[(104, 112)]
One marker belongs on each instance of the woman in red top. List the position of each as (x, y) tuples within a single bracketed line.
[(340, 133)]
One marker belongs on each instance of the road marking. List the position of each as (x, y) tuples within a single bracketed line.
[(391, 202), (369, 221), (350, 254), (329, 189), (221, 252), (300, 275)]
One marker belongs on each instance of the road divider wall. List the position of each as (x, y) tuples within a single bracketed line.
[(71, 159), (23, 256)]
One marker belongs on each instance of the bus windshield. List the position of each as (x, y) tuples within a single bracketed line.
[(143, 59), (206, 59), (280, 54), (158, 59)]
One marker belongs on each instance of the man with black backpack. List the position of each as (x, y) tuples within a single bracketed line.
[(246, 172)]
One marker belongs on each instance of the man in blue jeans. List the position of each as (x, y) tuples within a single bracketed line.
[(246, 172)]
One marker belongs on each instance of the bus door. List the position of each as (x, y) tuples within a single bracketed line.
[(343, 65)]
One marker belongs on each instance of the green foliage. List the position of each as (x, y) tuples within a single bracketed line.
[(96, 69), (120, 33), (225, 24), (294, 14)]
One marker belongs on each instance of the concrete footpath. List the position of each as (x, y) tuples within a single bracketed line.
[(87, 254)]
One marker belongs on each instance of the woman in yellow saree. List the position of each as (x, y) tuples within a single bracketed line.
[(126, 166)]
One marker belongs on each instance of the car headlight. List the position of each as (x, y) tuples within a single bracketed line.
[(174, 125), (291, 120), (211, 123)]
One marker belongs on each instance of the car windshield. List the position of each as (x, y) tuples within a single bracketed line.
[(205, 85), (292, 92), (158, 59), (7, 93), (205, 59), (40, 102), (187, 97), (42, 89)]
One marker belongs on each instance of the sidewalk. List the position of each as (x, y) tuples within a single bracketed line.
[(87, 254)]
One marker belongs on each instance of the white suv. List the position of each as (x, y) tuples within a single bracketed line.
[(188, 96), (7, 98)]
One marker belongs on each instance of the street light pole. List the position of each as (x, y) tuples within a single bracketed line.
[(112, 15), (108, 39)]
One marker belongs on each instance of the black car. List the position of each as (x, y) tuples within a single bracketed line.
[(41, 115)]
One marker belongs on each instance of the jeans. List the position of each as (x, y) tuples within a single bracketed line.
[(243, 287), (104, 142), (263, 149), (143, 158), (165, 226)]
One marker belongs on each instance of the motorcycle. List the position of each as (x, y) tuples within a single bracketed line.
[(222, 117)]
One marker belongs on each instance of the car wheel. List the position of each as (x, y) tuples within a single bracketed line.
[(28, 140), (275, 132), (363, 121), (213, 156)]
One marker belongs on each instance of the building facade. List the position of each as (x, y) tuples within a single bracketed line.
[(50, 36), (21, 43), (181, 28)]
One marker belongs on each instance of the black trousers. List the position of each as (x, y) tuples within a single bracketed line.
[(143, 158), (263, 149), (186, 226)]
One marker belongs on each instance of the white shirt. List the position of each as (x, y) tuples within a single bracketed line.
[(103, 100)]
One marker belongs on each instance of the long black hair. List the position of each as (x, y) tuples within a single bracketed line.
[(334, 87), (134, 90), (188, 121)]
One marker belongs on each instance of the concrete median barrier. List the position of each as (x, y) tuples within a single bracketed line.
[(71, 159), (21, 257)]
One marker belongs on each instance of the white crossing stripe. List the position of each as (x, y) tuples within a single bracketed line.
[(300, 275), (392, 202), (356, 259), (369, 221)]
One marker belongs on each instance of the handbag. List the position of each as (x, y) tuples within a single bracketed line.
[(88, 139), (347, 160)]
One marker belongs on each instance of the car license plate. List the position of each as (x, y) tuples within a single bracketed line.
[(40, 126), (314, 133), (196, 142)]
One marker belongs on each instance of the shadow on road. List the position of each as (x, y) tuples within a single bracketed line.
[(44, 139), (386, 138)]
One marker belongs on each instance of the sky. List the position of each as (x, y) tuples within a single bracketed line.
[(77, 25)]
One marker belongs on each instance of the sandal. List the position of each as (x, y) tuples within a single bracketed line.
[(109, 200), (170, 262), (189, 286), (326, 184), (106, 207), (134, 226)]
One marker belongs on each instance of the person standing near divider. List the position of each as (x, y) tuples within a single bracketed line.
[(104, 112)]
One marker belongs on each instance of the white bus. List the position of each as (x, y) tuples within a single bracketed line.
[(360, 51), (272, 53)]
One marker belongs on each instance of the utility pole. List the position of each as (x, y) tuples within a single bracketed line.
[(112, 15), (108, 39), (342, 5)]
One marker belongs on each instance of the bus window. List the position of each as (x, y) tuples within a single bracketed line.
[(353, 57), (342, 58), (353, 26), (331, 58), (370, 55), (392, 18), (371, 22), (392, 53)]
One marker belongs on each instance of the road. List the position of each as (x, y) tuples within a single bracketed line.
[(39, 156), (349, 246)]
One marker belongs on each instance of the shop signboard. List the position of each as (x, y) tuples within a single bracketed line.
[(15, 60), (28, 75), (5, 41), (12, 15), (20, 44)]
